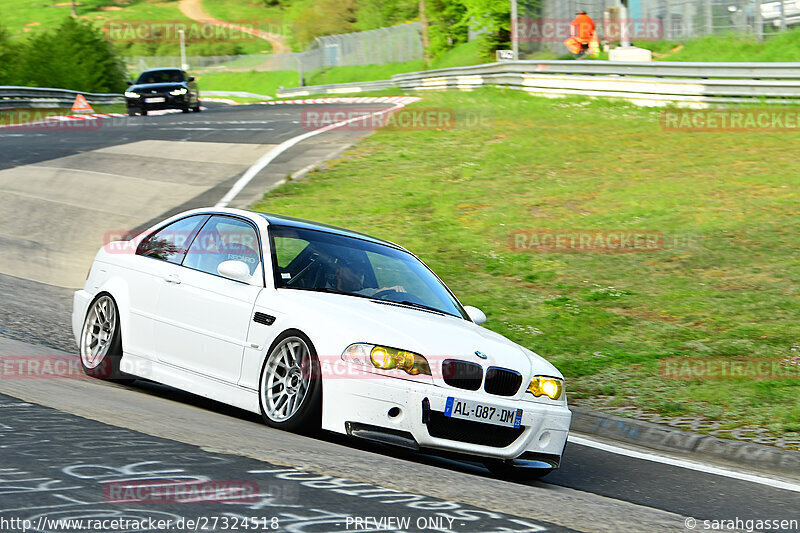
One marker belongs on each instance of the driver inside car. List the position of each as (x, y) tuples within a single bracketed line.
[(347, 280)]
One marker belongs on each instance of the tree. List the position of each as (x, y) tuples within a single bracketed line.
[(381, 13), (493, 16), (75, 56), (8, 59), (447, 25)]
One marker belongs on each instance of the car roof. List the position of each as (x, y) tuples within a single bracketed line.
[(161, 69), (293, 222)]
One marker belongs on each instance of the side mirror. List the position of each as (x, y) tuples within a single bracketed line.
[(475, 314), (191, 78), (129, 82), (235, 270)]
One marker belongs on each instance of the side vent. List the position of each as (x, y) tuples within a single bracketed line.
[(263, 318)]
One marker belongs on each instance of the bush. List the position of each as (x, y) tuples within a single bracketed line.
[(76, 56), (8, 56)]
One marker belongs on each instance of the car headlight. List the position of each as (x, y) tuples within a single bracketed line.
[(386, 358), (546, 386), (178, 92), (129, 94)]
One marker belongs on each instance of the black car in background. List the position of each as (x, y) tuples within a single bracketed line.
[(162, 88)]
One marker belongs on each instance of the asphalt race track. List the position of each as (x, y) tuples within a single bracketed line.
[(65, 443)]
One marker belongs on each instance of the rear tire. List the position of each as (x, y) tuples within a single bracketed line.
[(196, 109), (144, 112), (290, 384), (101, 341), (184, 109)]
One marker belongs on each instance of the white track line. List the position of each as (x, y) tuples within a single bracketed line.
[(683, 463), (270, 156)]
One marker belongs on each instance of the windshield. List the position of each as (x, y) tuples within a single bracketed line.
[(161, 76), (319, 261)]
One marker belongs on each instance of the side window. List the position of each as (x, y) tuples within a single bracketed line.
[(224, 239), (287, 249), (170, 242)]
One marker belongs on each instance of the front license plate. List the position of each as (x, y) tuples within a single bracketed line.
[(481, 412), (157, 100)]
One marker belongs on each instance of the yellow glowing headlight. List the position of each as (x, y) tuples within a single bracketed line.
[(387, 358), (546, 386), (390, 358)]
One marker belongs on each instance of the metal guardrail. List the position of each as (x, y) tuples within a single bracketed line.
[(25, 97), (651, 83), (679, 69)]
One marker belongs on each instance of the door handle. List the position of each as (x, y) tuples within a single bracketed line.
[(172, 278)]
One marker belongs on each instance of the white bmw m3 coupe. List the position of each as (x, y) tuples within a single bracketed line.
[(315, 326)]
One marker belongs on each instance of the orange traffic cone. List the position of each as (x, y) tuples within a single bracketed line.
[(81, 105)]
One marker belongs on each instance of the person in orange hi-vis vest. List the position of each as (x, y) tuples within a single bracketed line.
[(582, 30)]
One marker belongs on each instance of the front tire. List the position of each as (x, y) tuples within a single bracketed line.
[(290, 385), (101, 341)]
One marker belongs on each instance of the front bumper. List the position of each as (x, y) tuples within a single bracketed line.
[(170, 102), (373, 406)]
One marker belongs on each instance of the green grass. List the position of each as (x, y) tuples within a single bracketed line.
[(459, 56), (253, 82), (247, 11), (725, 284), (733, 47), (360, 73), (268, 82), (251, 13), (23, 17)]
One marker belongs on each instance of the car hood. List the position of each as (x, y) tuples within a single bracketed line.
[(158, 87), (351, 319)]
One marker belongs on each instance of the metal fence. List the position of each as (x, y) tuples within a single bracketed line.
[(375, 47), (395, 44), (677, 20), (12, 97)]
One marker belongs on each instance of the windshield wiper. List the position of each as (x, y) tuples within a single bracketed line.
[(418, 306)]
